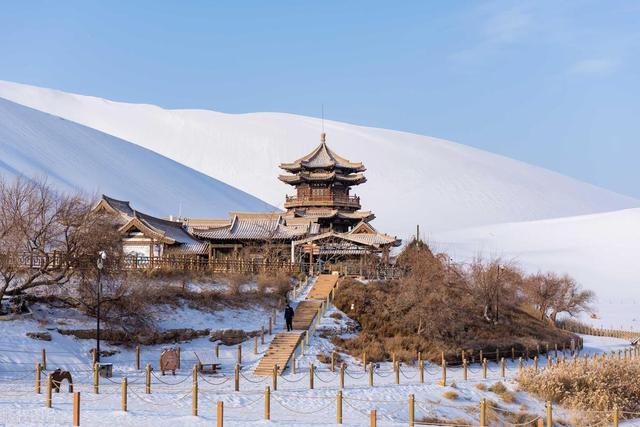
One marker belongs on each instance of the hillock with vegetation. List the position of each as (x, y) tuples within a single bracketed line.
[(440, 307)]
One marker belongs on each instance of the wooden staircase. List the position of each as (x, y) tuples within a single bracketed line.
[(304, 314), (279, 352), (323, 286)]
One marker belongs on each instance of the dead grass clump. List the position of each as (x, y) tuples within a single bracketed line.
[(336, 316), (502, 391), (235, 281), (481, 386), (324, 358), (596, 386), (278, 283), (497, 388), (433, 420), (42, 336), (450, 394)]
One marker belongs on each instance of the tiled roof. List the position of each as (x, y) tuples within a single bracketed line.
[(322, 157), (244, 227), (353, 179)]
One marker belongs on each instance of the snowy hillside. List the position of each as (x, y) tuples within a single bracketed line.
[(412, 179), (73, 157), (600, 251)]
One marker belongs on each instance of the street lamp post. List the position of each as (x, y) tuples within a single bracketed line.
[(102, 256)]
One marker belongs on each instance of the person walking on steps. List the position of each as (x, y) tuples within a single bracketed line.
[(288, 317)]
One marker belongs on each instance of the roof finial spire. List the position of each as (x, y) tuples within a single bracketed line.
[(323, 136)]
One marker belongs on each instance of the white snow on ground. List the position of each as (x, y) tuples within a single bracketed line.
[(600, 251), (413, 179), (293, 404), (75, 157)]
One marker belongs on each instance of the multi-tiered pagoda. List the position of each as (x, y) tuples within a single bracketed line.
[(323, 182)]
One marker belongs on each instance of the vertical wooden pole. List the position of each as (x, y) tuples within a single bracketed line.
[(96, 379), (443, 380), (411, 410), (293, 363), (341, 375), (483, 413), (616, 416), (520, 364), (549, 414), (179, 356), (255, 345), (138, 357), (267, 403), (217, 347), (421, 370), (270, 325), (502, 368), (339, 407), (239, 353), (311, 373), (49, 386), (38, 375), (484, 369), (236, 377), (123, 390), (370, 374), (535, 363), (373, 416), (364, 360), (513, 354), (274, 378), (333, 361), (220, 414), (194, 392), (147, 377), (396, 369), (44, 359), (464, 369), (76, 409)]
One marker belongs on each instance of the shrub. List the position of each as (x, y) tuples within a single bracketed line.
[(43, 336), (481, 386), (497, 388), (235, 282)]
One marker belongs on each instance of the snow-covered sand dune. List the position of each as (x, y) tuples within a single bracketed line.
[(413, 179), (599, 250), (75, 157)]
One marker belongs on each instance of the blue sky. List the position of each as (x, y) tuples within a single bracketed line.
[(551, 83)]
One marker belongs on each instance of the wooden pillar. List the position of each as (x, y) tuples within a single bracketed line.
[(549, 416), (421, 370), (239, 353), (147, 379), (267, 403), (483, 413), (484, 369), (194, 392), (138, 357), (96, 379), (502, 368), (411, 410), (443, 380), (274, 378), (373, 416), (396, 369), (44, 359), (370, 374), (339, 407), (49, 387), (38, 375), (76, 409), (464, 369), (220, 414), (311, 373), (341, 375), (123, 389)]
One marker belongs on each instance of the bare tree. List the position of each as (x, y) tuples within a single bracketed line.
[(570, 298)]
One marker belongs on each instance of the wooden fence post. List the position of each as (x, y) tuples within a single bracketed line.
[(519, 364), (217, 347), (179, 356), (38, 375), (443, 380), (549, 414), (411, 410), (239, 353), (535, 362), (396, 370), (373, 418), (274, 378), (49, 386), (267, 403), (502, 368), (194, 393), (138, 357), (421, 370), (147, 376), (484, 369), (339, 407), (370, 374), (293, 363), (364, 360), (255, 345), (220, 414), (513, 354), (341, 375), (616, 416), (123, 389), (76, 408), (270, 325), (96, 379), (44, 359), (333, 361), (236, 377), (483, 413), (311, 373), (464, 369)]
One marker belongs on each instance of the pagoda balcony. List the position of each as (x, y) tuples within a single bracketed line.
[(351, 202)]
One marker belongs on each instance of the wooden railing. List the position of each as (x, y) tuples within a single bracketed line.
[(322, 200)]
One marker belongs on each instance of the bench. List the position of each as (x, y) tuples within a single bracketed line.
[(207, 367)]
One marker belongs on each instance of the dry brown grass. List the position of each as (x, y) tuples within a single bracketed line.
[(502, 391), (598, 386), (451, 395), (481, 386), (278, 283)]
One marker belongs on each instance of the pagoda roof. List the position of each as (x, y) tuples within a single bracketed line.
[(322, 157), (334, 213), (363, 234), (306, 176), (257, 226)]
